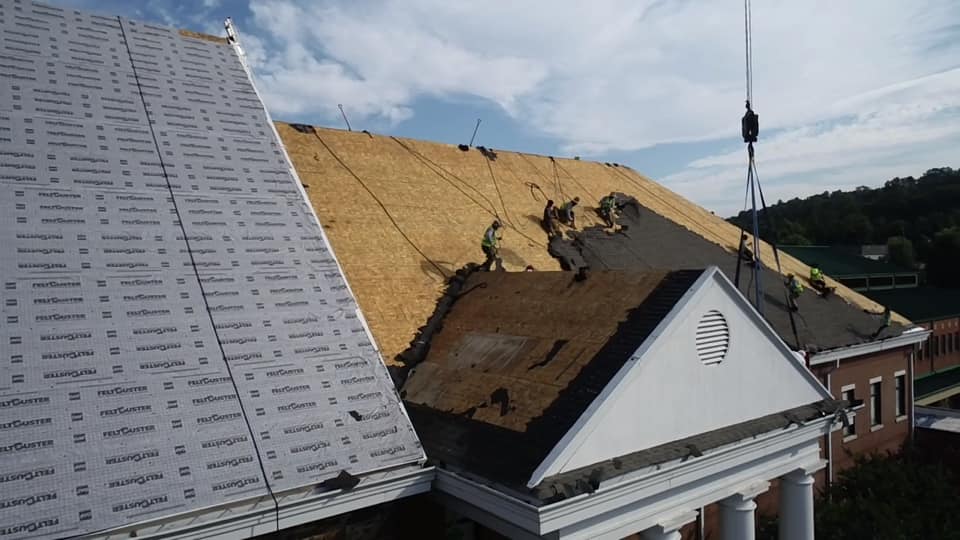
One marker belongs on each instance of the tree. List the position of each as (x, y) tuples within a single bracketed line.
[(900, 252), (943, 259)]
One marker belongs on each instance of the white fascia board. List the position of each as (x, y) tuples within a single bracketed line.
[(909, 337), (724, 468), (720, 472), (242, 56), (574, 437), (232, 523)]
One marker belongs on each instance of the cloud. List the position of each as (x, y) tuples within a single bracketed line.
[(621, 75)]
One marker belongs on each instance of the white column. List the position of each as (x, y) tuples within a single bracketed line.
[(669, 528), (796, 506), (738, 513)]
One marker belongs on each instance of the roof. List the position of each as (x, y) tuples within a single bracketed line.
[(920, 303), (177, 338), (932, 383), (521, 356), (838, 262), (653, 241), (403, 215)]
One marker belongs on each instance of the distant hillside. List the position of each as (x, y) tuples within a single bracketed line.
[(925, 210)]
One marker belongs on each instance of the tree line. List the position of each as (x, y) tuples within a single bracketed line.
[(917, 218)]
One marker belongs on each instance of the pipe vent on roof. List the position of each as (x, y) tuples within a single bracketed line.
[(713, 337)]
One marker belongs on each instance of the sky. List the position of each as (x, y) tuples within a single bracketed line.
[(849, 93)]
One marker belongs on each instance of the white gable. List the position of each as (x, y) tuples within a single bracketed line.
[(666, 392)]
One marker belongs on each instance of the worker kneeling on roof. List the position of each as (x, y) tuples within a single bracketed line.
[(567, 216), (608, 210), (491, 247), (795, 288)]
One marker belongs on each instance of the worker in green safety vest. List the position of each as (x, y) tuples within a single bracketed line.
[(816, 277), (608, 210), (491, 247)]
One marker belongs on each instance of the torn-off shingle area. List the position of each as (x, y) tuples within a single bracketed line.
[(650, 241), (519, 358)]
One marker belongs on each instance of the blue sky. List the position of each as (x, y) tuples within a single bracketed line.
[(849, 93)]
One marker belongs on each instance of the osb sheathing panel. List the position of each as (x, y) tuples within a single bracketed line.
[(443, 199), (508, 323)]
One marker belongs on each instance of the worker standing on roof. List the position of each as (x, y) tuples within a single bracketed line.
[(567, 216), (796, 289), (887, 318), (550, 218), (491, 247), (608, 210)]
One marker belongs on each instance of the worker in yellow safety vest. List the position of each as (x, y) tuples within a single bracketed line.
[(796, 289), (816, 277), (491, 247)]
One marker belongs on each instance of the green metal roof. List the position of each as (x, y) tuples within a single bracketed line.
[(919, 303), (838, 262), (932, 383)]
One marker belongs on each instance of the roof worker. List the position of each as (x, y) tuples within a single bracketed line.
[(567, 216), (887, 317), (745, 253), (550, 217), (818, 282), (795, 288), (491, 247), (608, 210)]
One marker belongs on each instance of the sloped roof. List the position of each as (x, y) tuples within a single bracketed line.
[(521, 356), (404, 214), (920, 303), (838, 262), (176, 336), (653, 241)]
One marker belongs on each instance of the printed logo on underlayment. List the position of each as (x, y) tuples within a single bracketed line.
[(57, 300), (388, 451), (217, 418), (301, 320), (121, 391), (236, 484), (303, 428), (23, 402), (297, 406), (163, 364), (208, 381), (279, 277), (364, 396), (58, 317), (69, 373), (66, 336), (27, 475), (139, 480), (318, 466), (381, 433), (156, 330), (290, 389), (141, 504), (123, 411), (72, 355), (158, 347), (229, 462), (148, 313), (19, 423), (225, 441), (306, 335), (351, 364), (310, 447), (357, 380), (19, 446), (235, 325), (135, 457), (28, 527), (285, 372), (122, 237), (129, 431), (206, 400)]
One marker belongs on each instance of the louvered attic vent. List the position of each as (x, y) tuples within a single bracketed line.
[(713, 337)]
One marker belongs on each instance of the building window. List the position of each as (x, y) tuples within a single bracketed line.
[(848, 394), (901, 382), (876, 418)]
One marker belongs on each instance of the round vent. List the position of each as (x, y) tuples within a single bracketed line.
[(713, 337)]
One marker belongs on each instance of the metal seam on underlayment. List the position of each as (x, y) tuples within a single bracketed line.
[(196, 273), (382, 206)]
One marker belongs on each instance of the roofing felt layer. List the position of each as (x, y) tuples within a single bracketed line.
[(404, 214), (920, 303), (931, 383), (521, 356), (176, 333), (839, 262), (653, 241)]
